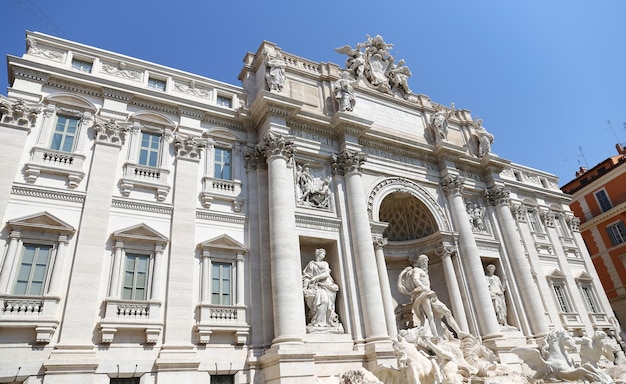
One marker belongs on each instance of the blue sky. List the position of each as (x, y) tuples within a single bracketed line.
[(545, 76)]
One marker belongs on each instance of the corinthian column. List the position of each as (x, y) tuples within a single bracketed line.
[(498, 197), (445, 251), (470, 258), (289, 319), (349, 163)]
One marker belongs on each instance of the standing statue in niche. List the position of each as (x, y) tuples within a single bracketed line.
[(275, 71), (344, 93), (496, 289), (320, 292), (430, 311), (476, 215)]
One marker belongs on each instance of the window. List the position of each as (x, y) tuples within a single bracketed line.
[(533, 221), (617, 233), (150, 149), (224, 101), (222, 379), (221, 280), (561, 227), (589, 297), (222, 163), (561, 298), (135, 277), (64, 134), (127, 380), (33, 270), (603, 200), (81, 65), (156, 84), (518, 175)]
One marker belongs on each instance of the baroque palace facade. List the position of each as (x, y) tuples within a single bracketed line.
[(162, 227)]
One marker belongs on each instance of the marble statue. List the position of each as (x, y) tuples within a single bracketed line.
[(430, 311), (496, 289), (592, 349), (476, 215), (414, 366), (485, 139), (275, 71), (320, 292), (439, 123), (371, 62), (554, 363), (312, 191), (344, 93)]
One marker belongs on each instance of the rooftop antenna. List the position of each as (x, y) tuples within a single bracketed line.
[(612, 130), (580, 148)]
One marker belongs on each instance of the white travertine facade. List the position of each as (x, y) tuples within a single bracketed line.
[(156, 224)]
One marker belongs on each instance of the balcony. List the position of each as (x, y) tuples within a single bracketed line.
[(36, 312), (223, 190), (139, 176), (222, 319), (131, 314), (44, 160)]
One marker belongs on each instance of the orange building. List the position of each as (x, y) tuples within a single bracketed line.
[(599, 200)]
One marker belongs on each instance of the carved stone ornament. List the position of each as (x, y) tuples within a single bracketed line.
[(476, 215), (18, 113), (497, 195), (121, 70), (574, 223), (452, 185), (347, 162), (274, 70), (35, 49), (445, 249), (372, 63), (310, 190), (519, 212), (344, 92), (548, 218), (275, 144), (188, 147), (110, 131)]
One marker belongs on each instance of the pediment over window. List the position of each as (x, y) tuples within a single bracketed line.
[(556, 274), (140, 233), (41, 222), (583, 276), (71, 101), (223, 242)]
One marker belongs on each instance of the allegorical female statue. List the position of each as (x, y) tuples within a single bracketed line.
[(320, 292)]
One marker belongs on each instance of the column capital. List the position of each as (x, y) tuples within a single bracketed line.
[(188, 147), (497, 195), (275, 144), (445, 249), (252, 158), (379, 242), (63, 240), (348, 161), (452, 185), (15, 234), (110, 131), (548, 217), (574, 223)]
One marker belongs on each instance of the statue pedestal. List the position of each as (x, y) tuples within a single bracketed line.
[(511, 338)]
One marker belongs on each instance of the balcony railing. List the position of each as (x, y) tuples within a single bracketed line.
[(38, 312), (222, 319), (45, 160), (136, 175), (131, 314), (220, 189)]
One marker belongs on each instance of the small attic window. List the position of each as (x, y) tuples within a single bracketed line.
[(82, 65)]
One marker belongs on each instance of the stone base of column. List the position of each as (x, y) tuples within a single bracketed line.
[(288, 364)]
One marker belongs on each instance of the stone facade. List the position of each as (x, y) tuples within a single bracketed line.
[(156, 223)]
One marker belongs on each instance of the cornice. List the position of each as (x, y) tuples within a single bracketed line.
[(611, 213), (348, 123), (221, 217), (268, 103), (141, 206), (317, 222), (24, 190)]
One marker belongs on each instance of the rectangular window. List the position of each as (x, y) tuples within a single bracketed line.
[(64, 134), (81, 65), (33, 269), (135, 277), (221, 283), (603, 200), (222, 379), (617, 233), (222, 163), (126, 380), (150, 149), (533, 221), (156, 84), (561, 298), (587, 292), (224, 101)]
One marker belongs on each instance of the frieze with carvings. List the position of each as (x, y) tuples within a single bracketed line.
[(140, 206), (121, 70), (312, 191), (36, 49), (192, 89), (47, 194), (155, 106)]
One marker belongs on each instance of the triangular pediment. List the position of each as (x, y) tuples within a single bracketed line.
[(41, 222), (140, 233), (223, 242), (556, 274), (583, 276)]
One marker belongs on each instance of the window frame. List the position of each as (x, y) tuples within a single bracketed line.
[(64, 134), (534, 223), (157, 83), (603, 200), (221, 150), (82, 65), (45, 280), (224, 101), (221, 279), (148, 272), (617, 233)]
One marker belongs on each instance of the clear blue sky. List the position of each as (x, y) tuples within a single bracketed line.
[(544, 75)]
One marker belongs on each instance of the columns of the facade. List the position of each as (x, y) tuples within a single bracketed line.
[(445, 252), (470, 258), (83, 305), (239, 280), (114, 290), (368, 280), (289, 322), (205, 289), (57, 274), (9, 259), (385, 288), (157, 281), (533, 307)]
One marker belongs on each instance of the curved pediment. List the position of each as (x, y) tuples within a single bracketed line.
[(73, 101), (140, 233), (41, 222), (224, 242), (154, 118)]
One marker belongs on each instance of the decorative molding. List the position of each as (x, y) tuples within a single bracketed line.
[(72, 87), (317, 222), (47, 194), (275, 144), (497, 195), (31, 75), (191, 89), (47, 52), (140, 206), (221, 217), (452, 185)]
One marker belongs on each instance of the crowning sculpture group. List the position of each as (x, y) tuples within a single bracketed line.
[(432, 348)]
